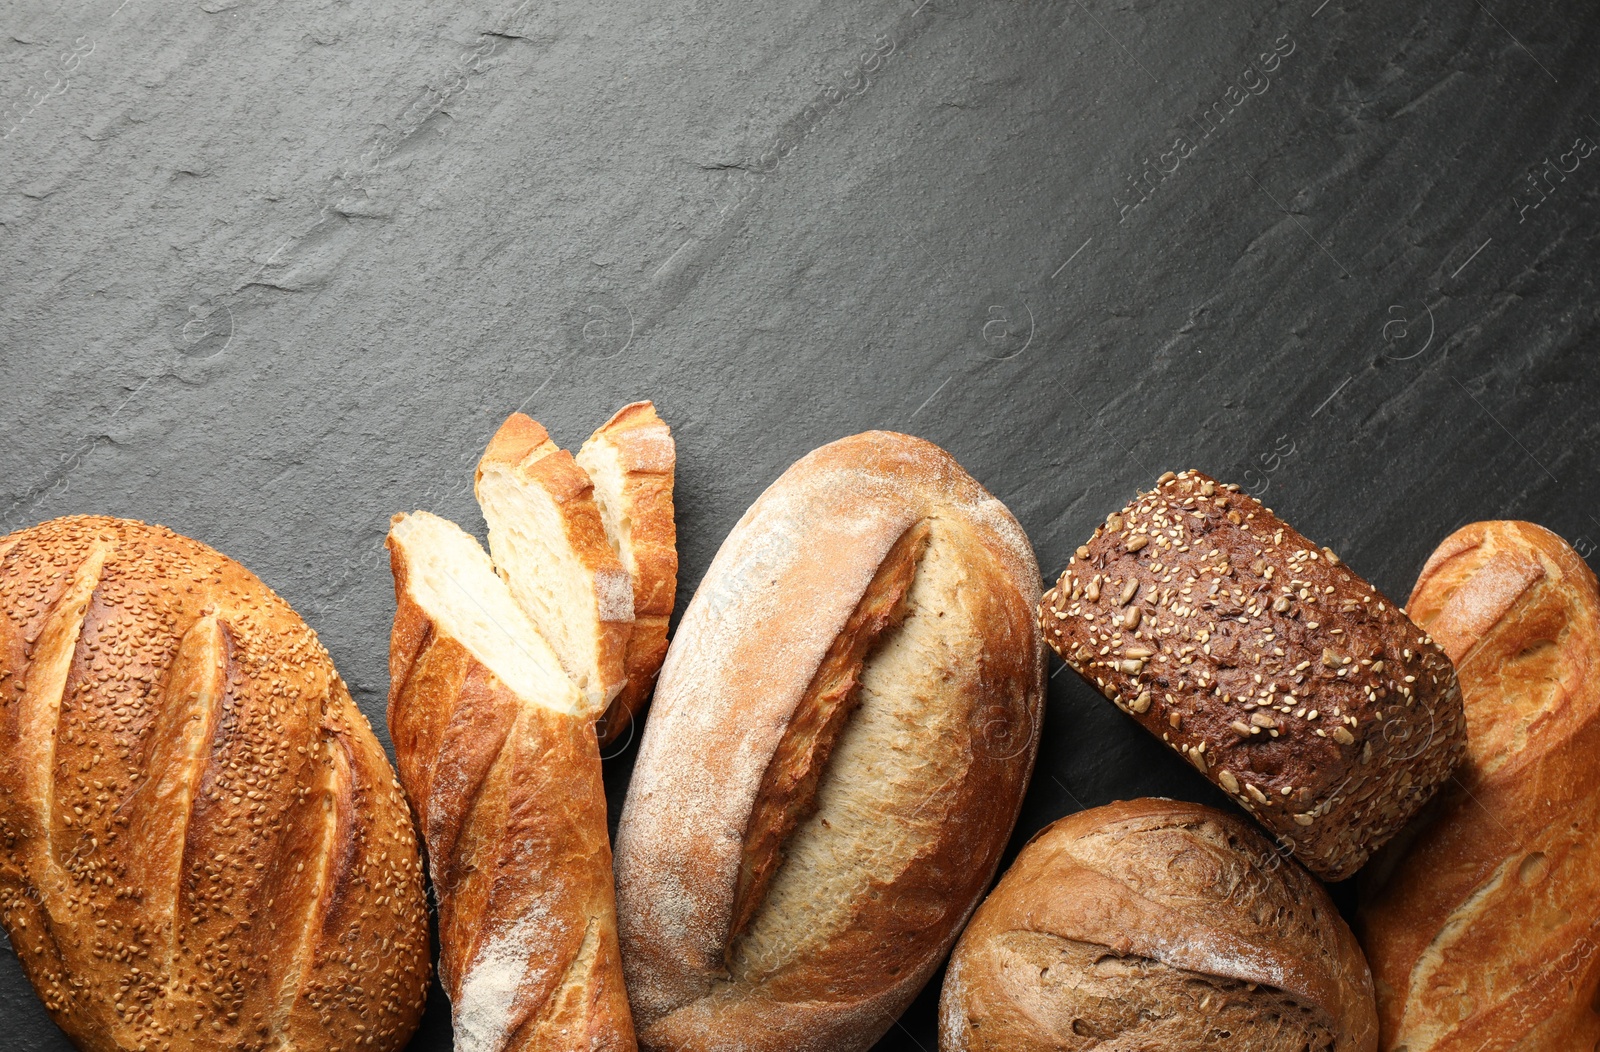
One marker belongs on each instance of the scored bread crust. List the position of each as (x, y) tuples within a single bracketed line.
[(892, 821), (202, 844), (1277, 671), (1483, 926), (1156, 924), (508, 792), (639, 445), (522, 457)]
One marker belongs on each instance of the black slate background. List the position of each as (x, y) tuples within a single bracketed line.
[(271, 272)]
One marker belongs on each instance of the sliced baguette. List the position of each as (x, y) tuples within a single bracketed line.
[(547, 540), (497, 756), (630, 460)]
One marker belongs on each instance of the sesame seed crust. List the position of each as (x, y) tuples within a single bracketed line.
[(1269, 665), (202, 844)]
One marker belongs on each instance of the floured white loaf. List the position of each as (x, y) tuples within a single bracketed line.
[(841, 737)]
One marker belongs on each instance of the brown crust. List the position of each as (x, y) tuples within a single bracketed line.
[(524, 448), (1482, 928), (789, 787), (512, 807), (201, 842), (648, 457), (936, 782), (1273, 668), (1156, 924)]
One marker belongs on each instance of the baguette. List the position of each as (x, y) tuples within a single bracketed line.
[(1266, 662), (497, 753), (843, 731), (1156, 924), (630, 459), (548, 542), (202, 844), (1483, 926)]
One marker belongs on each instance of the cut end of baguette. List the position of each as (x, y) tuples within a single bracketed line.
[(547, 539), (631, 459), (450, 578)]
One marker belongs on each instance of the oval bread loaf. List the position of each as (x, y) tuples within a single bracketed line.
[(1156, 924), (842, 734), (1483, 923), (202, 844)]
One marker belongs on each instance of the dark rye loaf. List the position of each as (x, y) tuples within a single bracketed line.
[(1278, 672)]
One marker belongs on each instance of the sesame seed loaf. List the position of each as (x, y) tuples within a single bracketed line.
[(1273, 668), (1481, 920), (202, 845), (1156, 924)]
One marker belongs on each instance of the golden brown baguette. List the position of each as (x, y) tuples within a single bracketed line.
[(550, 547), (499, 758), (840, 740), (1156, 924), (1483, 927), (1266, 662), (631, 459), (202, 845)]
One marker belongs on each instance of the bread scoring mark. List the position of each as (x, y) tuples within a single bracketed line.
[(789, 786), (542, 1029), (482, 1009), (329, 861), (181, 742), (54, 655)]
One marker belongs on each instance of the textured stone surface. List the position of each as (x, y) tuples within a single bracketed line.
[(271, 272)]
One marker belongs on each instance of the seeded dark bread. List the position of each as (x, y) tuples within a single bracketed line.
[(202, 845), (1272, 667), (1156, 924)]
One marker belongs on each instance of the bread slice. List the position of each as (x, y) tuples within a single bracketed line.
[(497, 754), (547, 540), (630, 460)]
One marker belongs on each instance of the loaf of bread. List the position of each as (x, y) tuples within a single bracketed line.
[(497, 752), (840, 740), (1267, 663), (1482, 921), (631, 460), (202, 845), (547, 541), (1154, 924)]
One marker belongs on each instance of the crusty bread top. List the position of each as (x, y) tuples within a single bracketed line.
[(1482, 925), (775, 600), (202, 844), (550, 546), (1156, 924), (1273, 667)]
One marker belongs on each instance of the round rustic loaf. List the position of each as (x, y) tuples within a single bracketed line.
[(1156, 924), (202, 845)]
